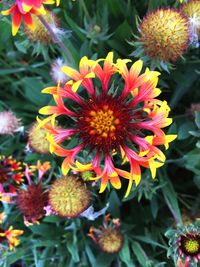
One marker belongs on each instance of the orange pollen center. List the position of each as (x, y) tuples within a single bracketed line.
[(103, 122)]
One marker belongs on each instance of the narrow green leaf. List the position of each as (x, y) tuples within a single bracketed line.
[(170, 197)]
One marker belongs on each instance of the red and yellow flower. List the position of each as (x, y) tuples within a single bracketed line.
[(10, 168), (112, 111), (11, 236), (23, 9)]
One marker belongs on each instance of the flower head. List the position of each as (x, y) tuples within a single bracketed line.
[(11, 236), (23, 10), (31, 202), (192, 11), (164, 34), (9, 123), (68, 197), (190, 244), (37, 139), (119, 118), (108, 237), (185, 244), (40, 33)]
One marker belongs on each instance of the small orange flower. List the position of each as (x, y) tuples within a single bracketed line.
[(10, 168), (42, 168), (11, 236)]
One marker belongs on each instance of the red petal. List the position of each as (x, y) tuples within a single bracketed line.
[(28, 21), (16, 21), (8, 11)]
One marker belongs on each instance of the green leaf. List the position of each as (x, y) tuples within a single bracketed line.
[(52, 219), (125, 254), (47, 230), (73, 248), (20, 47), (139, 253), (195, 133), (104, 260), (148, 240), (197, 119), (184, 130), (184, 84), (192, 161), (170, 196), (154, 207), (32, 90), (114, 204), (16, 255), (90, 255), (5, 28)]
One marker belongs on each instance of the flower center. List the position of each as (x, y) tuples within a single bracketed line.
[(103, 122), (192, 245)]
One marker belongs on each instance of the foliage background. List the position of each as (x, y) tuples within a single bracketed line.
[(152, 207)]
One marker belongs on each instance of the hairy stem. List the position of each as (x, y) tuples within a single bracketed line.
[(56, 38)]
